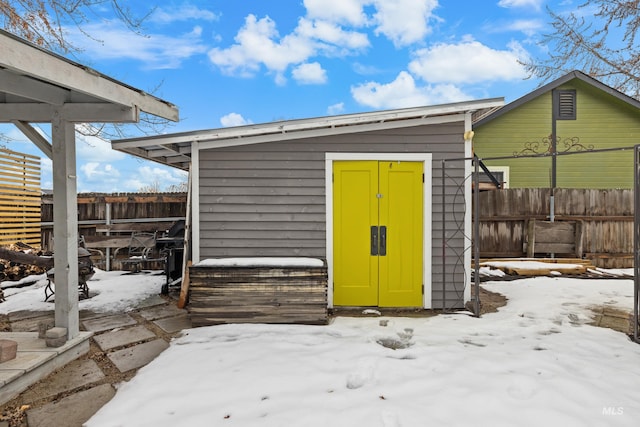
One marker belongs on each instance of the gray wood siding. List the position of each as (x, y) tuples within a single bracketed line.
[(269, 199)]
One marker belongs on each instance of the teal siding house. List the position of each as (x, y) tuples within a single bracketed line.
[(584, 115)]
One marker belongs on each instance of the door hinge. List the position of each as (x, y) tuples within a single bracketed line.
[(423, 178), (422, 289)]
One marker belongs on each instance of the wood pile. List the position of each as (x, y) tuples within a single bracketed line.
[(534, 267), (257, 295), (18, 261)]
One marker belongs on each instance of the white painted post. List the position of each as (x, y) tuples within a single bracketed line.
[(65, 225)]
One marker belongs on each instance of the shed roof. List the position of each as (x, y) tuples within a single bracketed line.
[(553, 85), (175, 149)]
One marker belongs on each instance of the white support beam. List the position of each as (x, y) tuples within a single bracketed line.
[(77, 113), (195, 203), (35, 137), (28, 59), (33, 89), (65, 225)]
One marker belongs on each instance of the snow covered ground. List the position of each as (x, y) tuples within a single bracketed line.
[(110, 291), (535, 362)]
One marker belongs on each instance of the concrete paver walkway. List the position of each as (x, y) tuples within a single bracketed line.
[(128, 341)]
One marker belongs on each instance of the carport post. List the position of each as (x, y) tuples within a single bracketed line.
[(65, 225)]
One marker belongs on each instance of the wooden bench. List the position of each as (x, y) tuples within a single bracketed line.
[(560, 237), (98, 246)]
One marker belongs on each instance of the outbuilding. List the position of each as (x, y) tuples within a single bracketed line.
[(383, 197)]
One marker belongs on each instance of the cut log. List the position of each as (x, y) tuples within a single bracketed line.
[(27, 259)]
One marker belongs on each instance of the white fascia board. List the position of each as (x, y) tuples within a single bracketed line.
[(329, 131), (77, 113), (305, 128), (29, 60)]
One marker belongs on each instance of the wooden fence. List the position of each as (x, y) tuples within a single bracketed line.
[(118, 214), (19, 198), (606, 215)]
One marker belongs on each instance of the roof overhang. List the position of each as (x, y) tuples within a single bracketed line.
[(175, 149), (573, 75), (35, 82)]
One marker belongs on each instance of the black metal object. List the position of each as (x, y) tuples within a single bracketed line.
[(487, 172), (85, 273), (171, 245), (374, 240), (378, 240)]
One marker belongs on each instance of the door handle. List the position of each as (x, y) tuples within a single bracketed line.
[(383, 240), (374, 240)]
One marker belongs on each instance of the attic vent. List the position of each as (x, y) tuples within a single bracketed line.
[(565, 104)]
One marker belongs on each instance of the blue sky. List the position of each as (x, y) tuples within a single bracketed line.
[(228, 63)]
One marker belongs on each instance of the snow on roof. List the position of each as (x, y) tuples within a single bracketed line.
[(261, 262)]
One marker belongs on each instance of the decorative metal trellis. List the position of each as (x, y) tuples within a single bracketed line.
[(562, 145)]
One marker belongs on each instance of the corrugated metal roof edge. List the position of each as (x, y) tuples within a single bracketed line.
[(300, 125)]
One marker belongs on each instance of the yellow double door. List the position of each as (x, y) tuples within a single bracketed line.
[(378, 233)]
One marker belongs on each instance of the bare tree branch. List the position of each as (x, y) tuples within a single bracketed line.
[(601, 44)]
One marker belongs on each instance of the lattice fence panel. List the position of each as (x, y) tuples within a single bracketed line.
[(20, 198)]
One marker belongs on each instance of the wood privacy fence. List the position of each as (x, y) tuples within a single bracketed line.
[(606, 215), (19, 198), (118, 214)]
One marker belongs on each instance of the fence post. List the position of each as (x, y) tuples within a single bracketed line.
[(636, 243)]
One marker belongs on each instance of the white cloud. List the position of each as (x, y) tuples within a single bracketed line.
[(112, 40), (404, 21), (329, 29), (340, 11), (98, 177), (334, 35), (334, 109), (46, 173), (147, 176), (94, 149), (527, 26), (403, 92), (535, 4), (311, 73), (186, 12), (468, 62), (365, 69), (258, 43), (234, 119), (99, 171)]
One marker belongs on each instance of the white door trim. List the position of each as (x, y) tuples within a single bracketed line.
[(426, 159)]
